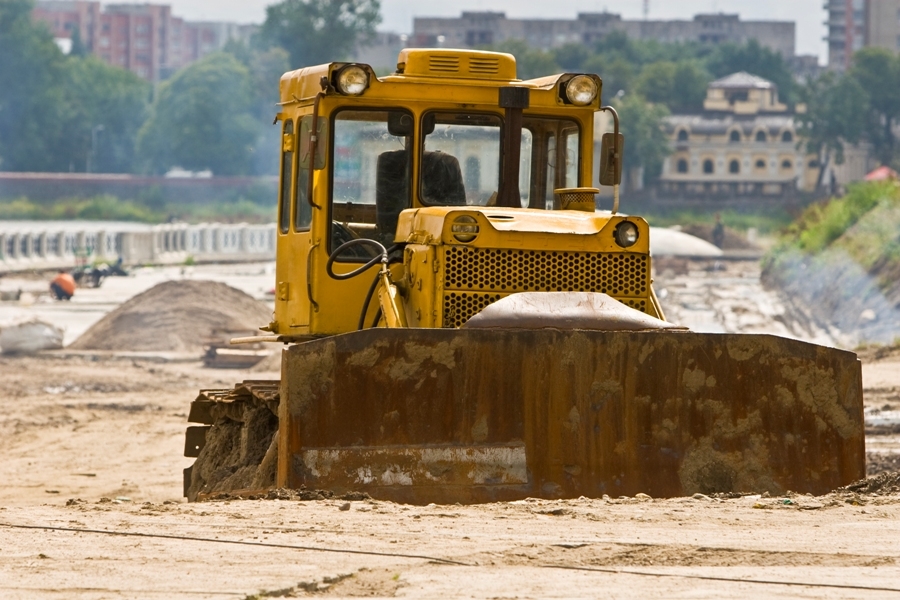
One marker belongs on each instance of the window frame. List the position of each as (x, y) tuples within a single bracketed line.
[(331, 163)]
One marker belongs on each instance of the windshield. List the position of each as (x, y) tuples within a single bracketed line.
[(370, 177), (461, 159)]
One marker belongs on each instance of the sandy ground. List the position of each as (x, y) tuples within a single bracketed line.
[(90, 507)]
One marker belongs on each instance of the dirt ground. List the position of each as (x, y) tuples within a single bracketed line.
[(91, 507)]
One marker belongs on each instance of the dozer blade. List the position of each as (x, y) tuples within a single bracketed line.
[(430, 415)]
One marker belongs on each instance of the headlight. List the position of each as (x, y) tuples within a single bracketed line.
[(352, 80), (581, 90), (626, 234), (464, 228)]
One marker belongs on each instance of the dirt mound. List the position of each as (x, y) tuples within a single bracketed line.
[(269, 364), (884, 483), (176, 316), (733, 240)]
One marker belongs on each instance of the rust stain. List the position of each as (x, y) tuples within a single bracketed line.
[(592, 413)]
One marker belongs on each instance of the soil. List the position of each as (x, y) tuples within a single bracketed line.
[(177, 316), (91, 506)]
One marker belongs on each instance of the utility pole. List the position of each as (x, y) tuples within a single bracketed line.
[(646, 9)]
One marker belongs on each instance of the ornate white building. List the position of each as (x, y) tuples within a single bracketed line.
[(743, 143)]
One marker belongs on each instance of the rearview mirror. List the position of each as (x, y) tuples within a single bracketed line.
[(611, 158)]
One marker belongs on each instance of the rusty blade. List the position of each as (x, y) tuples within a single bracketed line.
[(421, 415)]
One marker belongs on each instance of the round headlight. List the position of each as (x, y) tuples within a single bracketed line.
[(626, 234), (581, 90), (464, 228), (352, 80)]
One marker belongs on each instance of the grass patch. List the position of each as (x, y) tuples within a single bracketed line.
[(822, 224), (110, 208)]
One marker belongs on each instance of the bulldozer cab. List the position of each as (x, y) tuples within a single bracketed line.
[(390, 158)]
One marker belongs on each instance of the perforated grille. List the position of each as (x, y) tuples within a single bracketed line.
[(501, 270), (477, 277), (459, 306)]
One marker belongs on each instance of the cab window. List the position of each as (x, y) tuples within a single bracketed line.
[(461, 159), (370, 175), (287, 170)]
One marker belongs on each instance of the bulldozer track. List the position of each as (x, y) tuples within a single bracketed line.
[(237, 428)]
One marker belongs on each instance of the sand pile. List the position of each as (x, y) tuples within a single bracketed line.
[(177, 316)]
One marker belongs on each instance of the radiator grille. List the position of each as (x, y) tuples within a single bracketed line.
[(502, 270), (459, 307), (478, 277)]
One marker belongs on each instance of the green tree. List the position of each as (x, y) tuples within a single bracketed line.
[(571, 57), (530, 62), (878, 71), (836, 113), (203, 118), (617, 74), (318, 31), (755, 59), (680, 86), (646, 143), (266, 66), (30, 95), (105, 108)]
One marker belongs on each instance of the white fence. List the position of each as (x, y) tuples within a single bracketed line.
[(61, 244)]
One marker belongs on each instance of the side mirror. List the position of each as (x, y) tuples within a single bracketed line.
[(611, 154)]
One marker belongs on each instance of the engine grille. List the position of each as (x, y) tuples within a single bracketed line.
[(477, 277)]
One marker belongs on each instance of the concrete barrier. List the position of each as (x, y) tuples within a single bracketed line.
[(27, 245)]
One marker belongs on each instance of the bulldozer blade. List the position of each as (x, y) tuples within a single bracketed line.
[(430, 415)]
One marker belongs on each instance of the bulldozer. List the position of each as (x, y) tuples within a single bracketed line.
[(461, 323)]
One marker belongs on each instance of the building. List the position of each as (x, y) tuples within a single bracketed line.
[(743, 143), (474, 29), (855, 24), (143, 38)]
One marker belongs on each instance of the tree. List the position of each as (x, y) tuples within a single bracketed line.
[(680, 86), (878, 70), (753, 58), (318, 31), (105, 108), (646, 143), (30, 94), (266, 68), (203, 118), (530, 63), (836, 113), (617, 74), (571, 57)]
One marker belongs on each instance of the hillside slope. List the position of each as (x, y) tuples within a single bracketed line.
[(841, 262)]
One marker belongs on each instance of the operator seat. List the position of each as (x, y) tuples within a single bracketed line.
[(391, 190), (442, 184)]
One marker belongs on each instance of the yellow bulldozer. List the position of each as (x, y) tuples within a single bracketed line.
[(461, 324)]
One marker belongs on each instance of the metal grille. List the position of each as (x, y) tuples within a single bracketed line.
[(446, 64), (500, 270), (484, 66), (459, 307)]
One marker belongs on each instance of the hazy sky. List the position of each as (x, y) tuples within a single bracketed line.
[(398, 14)]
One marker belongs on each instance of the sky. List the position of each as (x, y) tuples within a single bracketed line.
[(397, 15)]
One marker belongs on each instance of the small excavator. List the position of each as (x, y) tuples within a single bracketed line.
[(460, 322)]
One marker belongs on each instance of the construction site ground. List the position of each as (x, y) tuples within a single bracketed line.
[(91, 507)]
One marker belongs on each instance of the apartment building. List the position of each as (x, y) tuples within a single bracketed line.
[(143, 38), (481, 28), (856, 24)]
